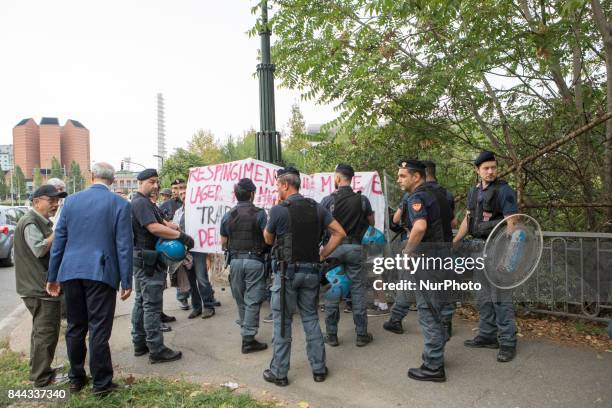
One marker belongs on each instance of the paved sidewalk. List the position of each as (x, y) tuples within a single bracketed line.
[(543, 375)]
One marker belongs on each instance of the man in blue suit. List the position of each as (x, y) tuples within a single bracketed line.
[(91, 256)]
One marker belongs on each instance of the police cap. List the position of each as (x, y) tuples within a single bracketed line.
[(166, 192), (411, 164), (146, 174), (246, 184), (287, 170), (177, 181), (345, 169), (484, 156)]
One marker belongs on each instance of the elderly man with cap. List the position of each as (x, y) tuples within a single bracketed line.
[(426, 236), (295, 228), (242, 235), (148, 227), (32, 243), (354, 213), (488, 204)]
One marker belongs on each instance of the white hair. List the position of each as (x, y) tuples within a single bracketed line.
[(57, 183), (103, 171)]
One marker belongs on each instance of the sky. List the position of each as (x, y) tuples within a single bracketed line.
[(103, 63)]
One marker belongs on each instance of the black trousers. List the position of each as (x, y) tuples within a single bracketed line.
[(90, 305)]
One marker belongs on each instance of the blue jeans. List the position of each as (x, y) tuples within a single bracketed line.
[(434, 330), (302, 294), (350, 256), (248, 283), (202, 293)]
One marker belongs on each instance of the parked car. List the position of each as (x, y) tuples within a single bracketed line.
[(8, 221)]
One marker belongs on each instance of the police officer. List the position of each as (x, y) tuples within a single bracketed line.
[(354, 213), (426, 236), (169, 207), (446, 203), (148, 227), (242, 235), (295, 227), (489, 203)]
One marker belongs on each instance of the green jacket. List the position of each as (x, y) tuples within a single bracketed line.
[(31, 271)]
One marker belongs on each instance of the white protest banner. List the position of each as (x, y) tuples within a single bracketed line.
[(210, 194)]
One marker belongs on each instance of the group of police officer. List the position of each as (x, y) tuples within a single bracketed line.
[(300, 234)]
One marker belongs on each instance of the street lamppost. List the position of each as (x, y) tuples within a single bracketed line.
[(131, 162), (161, 158), (268, 139)]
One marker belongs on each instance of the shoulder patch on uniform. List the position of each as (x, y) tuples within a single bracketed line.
[(416, 206)]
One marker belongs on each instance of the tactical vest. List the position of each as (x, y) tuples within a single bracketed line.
[(349, 209), (301, 241), (477, 226), (245, 234), (435, 231), (143, 239), (446, 215)]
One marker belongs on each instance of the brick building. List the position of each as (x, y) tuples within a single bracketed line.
[(35, 146)]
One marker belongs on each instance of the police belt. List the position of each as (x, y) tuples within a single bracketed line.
[(256, 256), (303, 267), (351, 241)]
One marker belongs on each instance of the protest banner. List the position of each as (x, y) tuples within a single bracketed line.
[(210, 194)]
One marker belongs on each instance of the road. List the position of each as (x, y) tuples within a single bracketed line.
[(9, 302)]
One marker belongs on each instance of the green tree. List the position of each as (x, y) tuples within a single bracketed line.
[(19, 183), (445, 79), (4, 190), (204, 145), (240, 148), (75, 180), (296, 143), (56, 169), (178, 165), (37, 178)]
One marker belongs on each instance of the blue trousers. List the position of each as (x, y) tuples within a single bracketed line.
[(202, 293), (302, 295), (147, 309), (248, 283)]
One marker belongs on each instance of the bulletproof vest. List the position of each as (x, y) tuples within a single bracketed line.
[(348, 208), (143, 239), (245, 234), (435, 231), (301, 241), (439, 193), (477, 226)]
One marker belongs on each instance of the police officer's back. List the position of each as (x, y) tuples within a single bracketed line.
[(295, 227), (354, 213), (242, 236)]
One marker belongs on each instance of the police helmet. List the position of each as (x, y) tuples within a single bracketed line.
[(172, 249)]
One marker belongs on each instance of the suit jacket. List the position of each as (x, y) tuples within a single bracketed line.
[(93, 239)]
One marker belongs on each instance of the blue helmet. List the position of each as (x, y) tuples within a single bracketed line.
[(340, 283), (373, 236), (172, 249)]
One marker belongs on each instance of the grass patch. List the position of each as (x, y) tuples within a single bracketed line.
[(144, 392)]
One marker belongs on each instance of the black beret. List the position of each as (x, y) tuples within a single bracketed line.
[(484, 156), (428, 164), (410, 164), (246, 184), (287, 170), (176, 182), (147, 174), (345, 170), (49, 191)]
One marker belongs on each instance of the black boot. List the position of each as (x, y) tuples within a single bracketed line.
[(271, 378), (506, 354), (480, 342), (140, 351), (424, 373), (167, 319), (250, 345), (332, 340), (394, 326), (165, 356), (320, 377), (363, 340)]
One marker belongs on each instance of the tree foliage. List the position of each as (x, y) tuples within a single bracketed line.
[(56, 169), (441, 80), (75, 181), (19, 183), (37, 179)]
